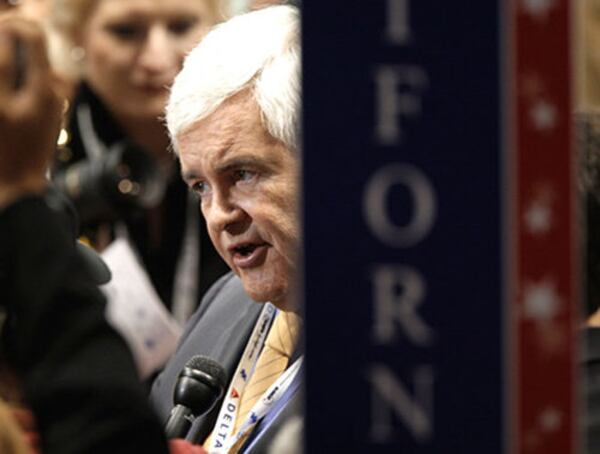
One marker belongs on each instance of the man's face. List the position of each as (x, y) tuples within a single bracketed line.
[(247, 182)]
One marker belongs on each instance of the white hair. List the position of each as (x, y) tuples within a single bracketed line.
[(260, 50)]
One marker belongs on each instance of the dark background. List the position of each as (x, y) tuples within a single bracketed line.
[(456, 143)]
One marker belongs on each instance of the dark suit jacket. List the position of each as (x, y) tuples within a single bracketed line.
[(219, 329), (78, 374)]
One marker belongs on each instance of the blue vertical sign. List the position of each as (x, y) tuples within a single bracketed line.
[(402, 225)]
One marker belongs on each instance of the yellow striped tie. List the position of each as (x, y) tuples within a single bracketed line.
[(273, 360)]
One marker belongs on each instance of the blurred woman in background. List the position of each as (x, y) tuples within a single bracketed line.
[(113, 158)]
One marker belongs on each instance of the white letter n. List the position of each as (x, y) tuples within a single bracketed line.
[(390, 397)]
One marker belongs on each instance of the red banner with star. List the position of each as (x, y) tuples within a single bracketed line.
[(543, 289)]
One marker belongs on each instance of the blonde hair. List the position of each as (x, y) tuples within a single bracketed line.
[(68, 16)]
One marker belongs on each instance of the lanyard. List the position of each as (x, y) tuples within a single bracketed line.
[(93, 147), (227, 415), (185, 281), (264, 404)]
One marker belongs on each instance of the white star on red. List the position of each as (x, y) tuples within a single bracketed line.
[(550, 419), (537, 8), (538, 217), (543, 115), (540, 301)]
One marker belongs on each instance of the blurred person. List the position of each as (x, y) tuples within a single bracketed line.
[(65, 362), (588, 141), (233, 116), (587, 129), (76, 373), (127, 54)]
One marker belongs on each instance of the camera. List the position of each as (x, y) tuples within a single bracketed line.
[(117, 185)]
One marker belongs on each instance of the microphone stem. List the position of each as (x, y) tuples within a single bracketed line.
[(179, 422)]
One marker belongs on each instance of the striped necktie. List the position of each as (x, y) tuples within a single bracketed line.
[(273, 360)]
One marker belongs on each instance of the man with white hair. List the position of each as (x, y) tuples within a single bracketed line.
[(233, 116)]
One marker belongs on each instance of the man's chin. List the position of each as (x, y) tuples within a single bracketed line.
[(275, 295)]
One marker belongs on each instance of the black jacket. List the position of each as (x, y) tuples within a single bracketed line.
[(78, 375)]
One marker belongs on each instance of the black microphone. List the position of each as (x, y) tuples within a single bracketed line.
[(199, 385)]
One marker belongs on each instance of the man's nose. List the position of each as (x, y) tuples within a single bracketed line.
[(224, 215), (158, 54)]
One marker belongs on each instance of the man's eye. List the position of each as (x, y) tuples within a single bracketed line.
[(126, 32), (244, 175), (200, 188), (182, 26)]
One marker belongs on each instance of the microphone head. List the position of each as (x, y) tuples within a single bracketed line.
[(200, 384), (208, 366)]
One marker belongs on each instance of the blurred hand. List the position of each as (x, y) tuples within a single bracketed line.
[(179, 446), (12, 433), (30, 108), (26, 421)]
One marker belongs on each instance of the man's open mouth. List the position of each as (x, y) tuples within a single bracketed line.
[(248, 255), (245, 249)]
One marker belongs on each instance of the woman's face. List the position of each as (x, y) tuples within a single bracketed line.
[(134, 49)]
